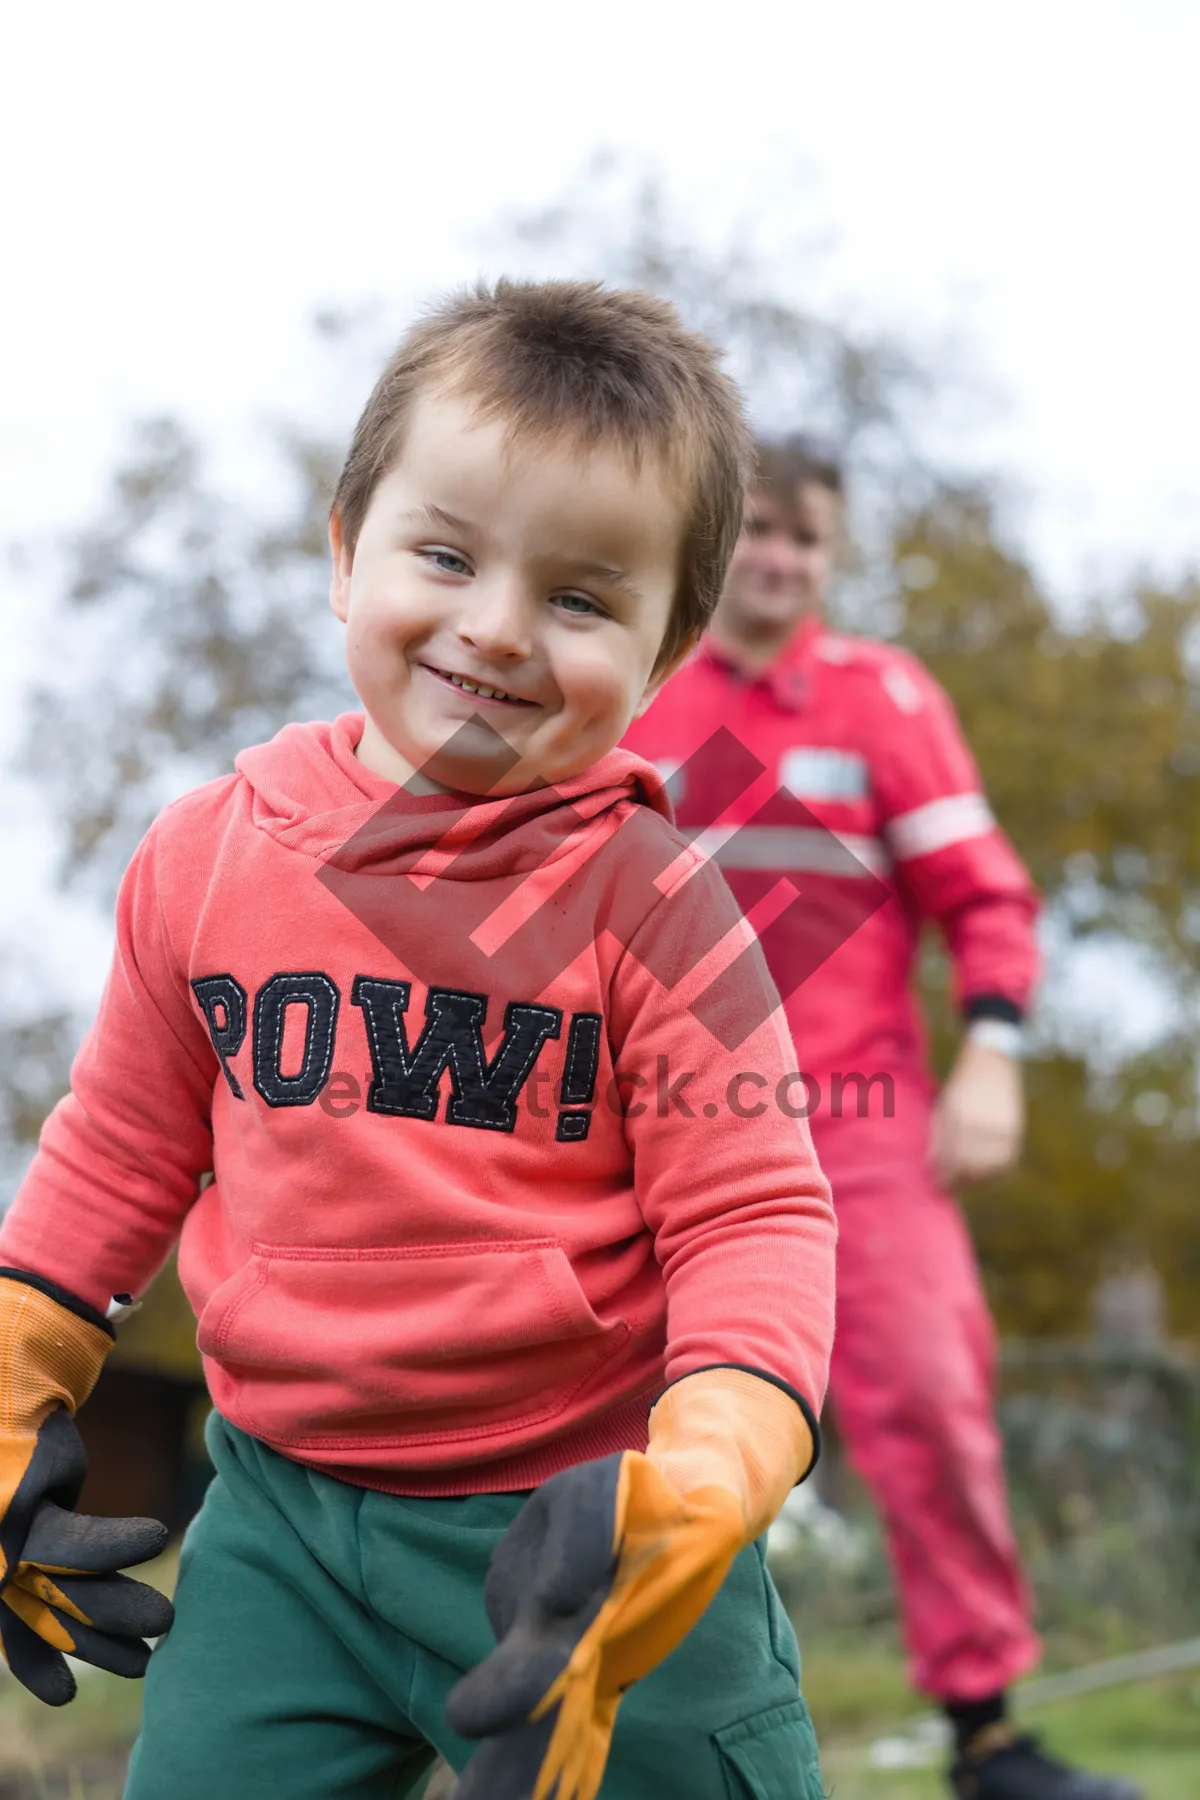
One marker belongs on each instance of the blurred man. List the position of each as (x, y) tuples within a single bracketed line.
[(861, 792)]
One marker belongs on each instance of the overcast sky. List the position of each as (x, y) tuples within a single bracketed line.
[(183, 185)]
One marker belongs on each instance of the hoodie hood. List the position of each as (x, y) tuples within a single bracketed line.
[(312, 794)]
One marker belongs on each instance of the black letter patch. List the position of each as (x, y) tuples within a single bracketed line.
[(579, 1077), (223, 1003), (316, 992), (406, 1081)]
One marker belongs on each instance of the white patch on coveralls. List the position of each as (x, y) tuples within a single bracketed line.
[(818, 772)]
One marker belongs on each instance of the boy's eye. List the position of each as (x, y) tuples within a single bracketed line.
[(579, 604), (448, 561)]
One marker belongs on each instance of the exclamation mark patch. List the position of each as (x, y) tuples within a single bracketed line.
[(579, 1077)]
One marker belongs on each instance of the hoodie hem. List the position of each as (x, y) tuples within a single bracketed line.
[(625, 1428)]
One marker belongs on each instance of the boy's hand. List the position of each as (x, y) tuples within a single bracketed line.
[(979, 1119), (603, 1571), (65, 1600), (60, 1593), (606, 1568)]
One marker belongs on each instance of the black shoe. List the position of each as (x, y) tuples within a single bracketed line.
[(999, 1765)]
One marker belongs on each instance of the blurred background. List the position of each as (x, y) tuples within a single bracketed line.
[(954, 239)]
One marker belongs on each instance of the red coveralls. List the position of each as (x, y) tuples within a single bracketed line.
[(869, 805)]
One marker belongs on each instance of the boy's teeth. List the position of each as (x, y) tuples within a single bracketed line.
[(477, 687)]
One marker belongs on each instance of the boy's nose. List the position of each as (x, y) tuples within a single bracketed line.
[(497, 620)]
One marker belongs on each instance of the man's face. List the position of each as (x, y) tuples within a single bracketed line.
[(540, 575), (783, 560)]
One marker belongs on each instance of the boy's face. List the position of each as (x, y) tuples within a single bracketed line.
[(782, 563), (541, 575)]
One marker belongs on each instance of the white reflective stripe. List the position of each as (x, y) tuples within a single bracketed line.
[(903, 689), (954, 820), (784, 847)]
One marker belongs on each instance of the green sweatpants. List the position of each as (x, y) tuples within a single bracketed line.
[(320, 1627)]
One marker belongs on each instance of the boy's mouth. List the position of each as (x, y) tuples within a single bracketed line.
[(477, 689)]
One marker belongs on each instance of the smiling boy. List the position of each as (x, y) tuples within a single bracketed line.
[(505, 1395), (554, 690)]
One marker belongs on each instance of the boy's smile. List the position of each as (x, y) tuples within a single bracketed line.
[(490, 696), (503, 593)]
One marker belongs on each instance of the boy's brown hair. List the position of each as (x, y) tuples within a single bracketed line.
[(576, 360)]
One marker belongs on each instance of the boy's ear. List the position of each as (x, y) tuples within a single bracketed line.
[(343, 562), (664, 672)]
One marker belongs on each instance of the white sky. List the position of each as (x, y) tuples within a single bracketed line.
[(183, 185)]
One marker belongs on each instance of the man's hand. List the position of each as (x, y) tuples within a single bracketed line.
[(979, 1119)]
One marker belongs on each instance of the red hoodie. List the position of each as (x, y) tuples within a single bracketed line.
[(495, 1098)]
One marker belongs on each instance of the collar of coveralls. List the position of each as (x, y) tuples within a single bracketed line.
[(788, 679)]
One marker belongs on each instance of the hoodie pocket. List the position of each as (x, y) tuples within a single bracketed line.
[(426, 1342)]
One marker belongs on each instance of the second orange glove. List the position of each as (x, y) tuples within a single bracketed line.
[(606, 1569)]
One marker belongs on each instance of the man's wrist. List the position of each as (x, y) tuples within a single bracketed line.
[(1002, 1035)]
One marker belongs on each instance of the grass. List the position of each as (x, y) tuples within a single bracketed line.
[(74, 1752), (853, 1680), (855, 1687), (1149, 1733)]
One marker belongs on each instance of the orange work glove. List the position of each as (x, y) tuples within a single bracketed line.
[(605, 1570), (60, 1593)]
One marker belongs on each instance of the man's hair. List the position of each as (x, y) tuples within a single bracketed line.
[(786, 464), (575, 361)]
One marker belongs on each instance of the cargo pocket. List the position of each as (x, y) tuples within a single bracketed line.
[(772, 1756)]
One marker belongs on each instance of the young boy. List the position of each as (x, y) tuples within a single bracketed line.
[(459, 1024)]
